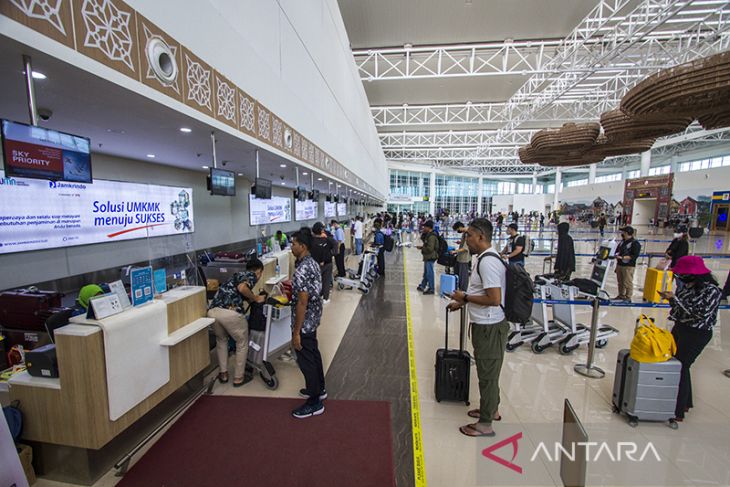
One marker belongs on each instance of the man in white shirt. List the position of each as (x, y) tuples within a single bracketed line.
[(358, 235), (490, 329)]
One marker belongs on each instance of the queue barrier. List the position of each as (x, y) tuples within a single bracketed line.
[(606, 302)]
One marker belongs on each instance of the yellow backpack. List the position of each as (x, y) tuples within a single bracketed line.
[(651, 343)]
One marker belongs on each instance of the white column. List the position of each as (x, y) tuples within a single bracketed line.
[(645, 163), (534, 183), (480, 194), (432, 197), (674, 165), (556, 195), (592, 174)]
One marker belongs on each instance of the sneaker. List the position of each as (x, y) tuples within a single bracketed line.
[(326, 301), (427, 292), (322, 395), (306, 410), (420, 288)]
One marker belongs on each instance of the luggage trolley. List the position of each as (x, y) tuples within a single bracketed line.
[(540, 325), (271, 342), (367, 272)]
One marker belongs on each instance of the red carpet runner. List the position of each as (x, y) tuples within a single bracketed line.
[(249, 441)]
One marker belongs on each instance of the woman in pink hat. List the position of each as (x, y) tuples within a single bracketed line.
[(694, 312)]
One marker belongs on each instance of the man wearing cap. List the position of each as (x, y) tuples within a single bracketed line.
[(626, 254), (514, 250)]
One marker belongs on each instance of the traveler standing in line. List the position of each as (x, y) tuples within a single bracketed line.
[(626, 255), (500, 219), (542, 221), (463, 257), (565, 258), (678, 248), (323, 247), (339, 235), (379, 239), (226, 309), (358, 235), (429, 251), (489, 326), (306, 315), (694, 312), (602, 223), (514, 250), (352, 235)]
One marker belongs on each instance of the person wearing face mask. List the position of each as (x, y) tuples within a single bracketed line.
[(694, 310), (626, 255), (679, 247)]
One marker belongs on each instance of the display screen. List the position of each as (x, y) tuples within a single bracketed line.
[(271, 210), (330, 209), (37, 214), (263, 188), (341, 209), (301, 193), (306, 210), (222, 182), (40, 153)]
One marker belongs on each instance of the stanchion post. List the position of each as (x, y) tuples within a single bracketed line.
[(588, 369)]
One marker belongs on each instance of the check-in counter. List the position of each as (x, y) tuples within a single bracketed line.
[(88, 406)]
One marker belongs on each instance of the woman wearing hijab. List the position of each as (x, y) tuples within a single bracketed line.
[(694, 312), (565, 258)]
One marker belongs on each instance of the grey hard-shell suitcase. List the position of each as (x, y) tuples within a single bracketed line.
[(646, 391)]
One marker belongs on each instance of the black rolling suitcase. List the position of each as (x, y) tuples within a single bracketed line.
[(452, 368)]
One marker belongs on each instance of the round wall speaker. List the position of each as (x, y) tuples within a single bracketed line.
[(288, 139), (162, 61)]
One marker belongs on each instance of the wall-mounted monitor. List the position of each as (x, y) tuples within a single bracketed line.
[(262, 188), (330, 209), (300, 194), (267, 211), (222, 182), (41, 153), (306, 210), (315, 195)]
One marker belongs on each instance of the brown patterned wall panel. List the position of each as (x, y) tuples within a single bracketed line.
[(246, 113), (197, 83), (226, 100), (263, 121), (106, 31), (52, 18), (151, 41), (277, 132)]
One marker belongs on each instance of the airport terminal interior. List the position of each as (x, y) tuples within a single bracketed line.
[(244, 243)]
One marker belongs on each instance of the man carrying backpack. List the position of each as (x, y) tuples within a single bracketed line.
[(429, 251), (489, 327), (515, 249)]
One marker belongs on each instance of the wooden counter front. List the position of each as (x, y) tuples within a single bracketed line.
[(77, 414)]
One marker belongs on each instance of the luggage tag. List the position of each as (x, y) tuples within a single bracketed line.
[(254, 345)]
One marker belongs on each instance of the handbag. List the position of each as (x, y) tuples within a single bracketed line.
[(651, 343)]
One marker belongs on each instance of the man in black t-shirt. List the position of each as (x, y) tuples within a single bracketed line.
[(323, 246), (514, 250)]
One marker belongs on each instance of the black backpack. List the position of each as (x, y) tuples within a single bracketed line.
[(444, 257), (519, 292), (388, 243)]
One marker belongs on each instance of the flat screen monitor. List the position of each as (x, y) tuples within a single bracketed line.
[(330, 209), (315, 195), (222, 182), (267, 211), (262, 188), (573, 468), (301, 193), (36, 152), (306, 210)]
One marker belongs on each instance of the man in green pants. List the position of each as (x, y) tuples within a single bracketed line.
[(485, 297)]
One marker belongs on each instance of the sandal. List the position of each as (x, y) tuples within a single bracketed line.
[(471, 431), (474, 413), (223, 377)]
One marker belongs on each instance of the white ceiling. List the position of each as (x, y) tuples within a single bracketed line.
[(124, 124), (388, 23)]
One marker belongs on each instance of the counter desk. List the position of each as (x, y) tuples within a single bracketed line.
[(113, 372)]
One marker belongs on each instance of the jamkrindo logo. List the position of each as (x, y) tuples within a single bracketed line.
[(592, 451), (57, 185)]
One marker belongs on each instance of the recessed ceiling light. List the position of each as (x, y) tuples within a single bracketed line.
[(240, 174), (206, 167), (38, 75), (151, 156), (319, 179), (283, 183), (304, 173), (186, 130), (282, 165)]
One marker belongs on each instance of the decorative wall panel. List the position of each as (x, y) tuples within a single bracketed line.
[(277, 132), (52, 18), (246, 113), (226, 103), (297, 145), (160, 59), (264, 122), (198, 83), (106, 30)]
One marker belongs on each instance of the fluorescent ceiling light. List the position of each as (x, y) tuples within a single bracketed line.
[(38, 75), (151, 156), (319, 179), (186, 130), (304, 173), (206, 167), (282, 165)]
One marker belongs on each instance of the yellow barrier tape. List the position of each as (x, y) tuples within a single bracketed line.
[(419, 465)]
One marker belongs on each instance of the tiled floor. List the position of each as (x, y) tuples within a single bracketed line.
[(364, 349)]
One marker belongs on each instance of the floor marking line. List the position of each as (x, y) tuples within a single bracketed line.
[(419, 465)]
